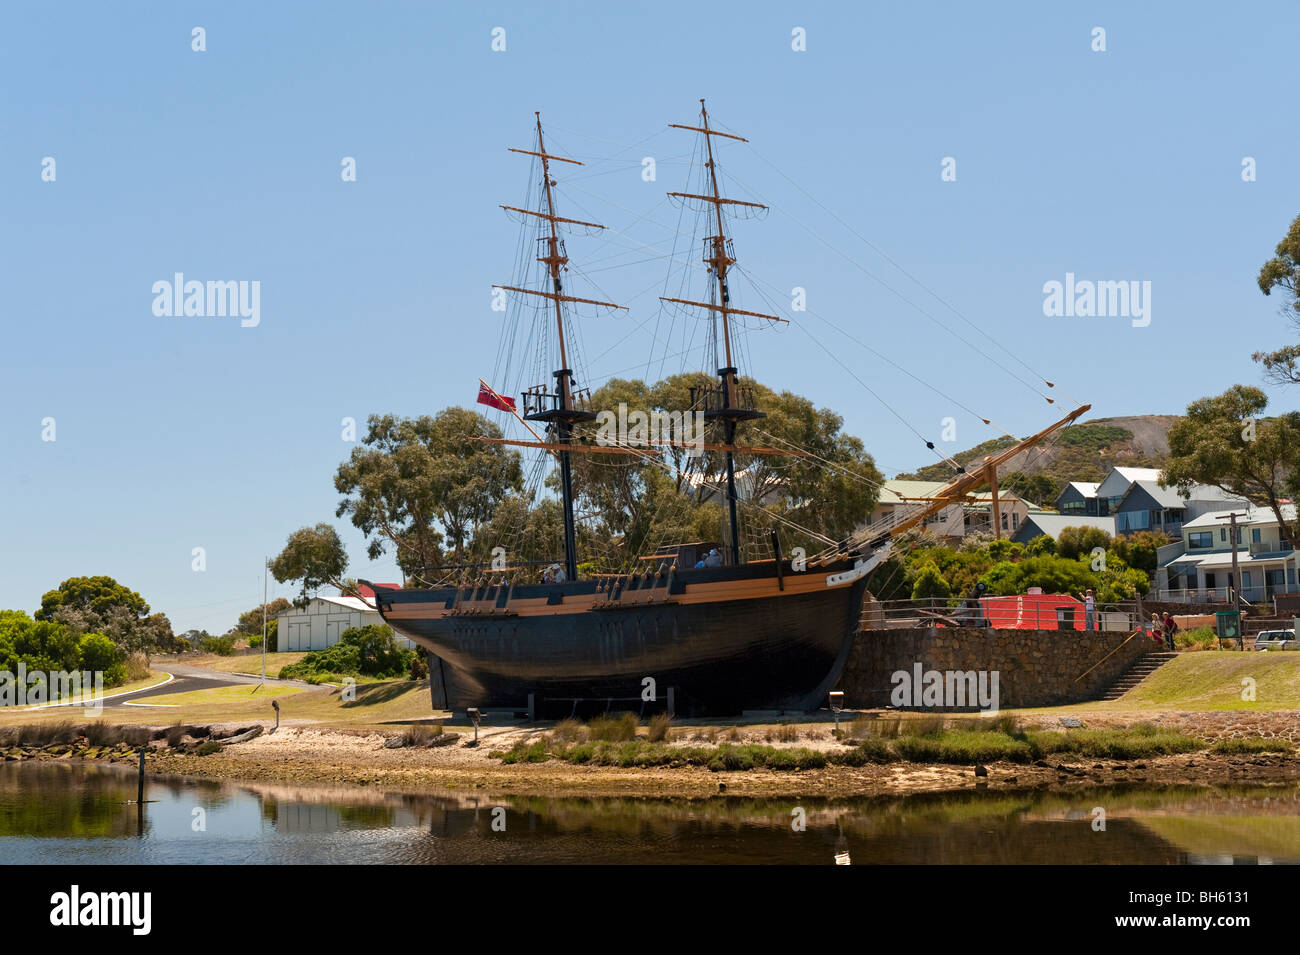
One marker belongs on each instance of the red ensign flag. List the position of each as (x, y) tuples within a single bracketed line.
[(486, 396)]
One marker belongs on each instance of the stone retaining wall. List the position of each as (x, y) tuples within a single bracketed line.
[(1034, 667)]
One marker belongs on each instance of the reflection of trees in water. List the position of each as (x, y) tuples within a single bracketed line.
[(52, 800), (208, 793), (1145, 823)]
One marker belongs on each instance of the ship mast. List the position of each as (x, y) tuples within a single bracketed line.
[(726, 403), (563, 407)]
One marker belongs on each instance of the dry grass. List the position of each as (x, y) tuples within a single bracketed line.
[(660, 724)]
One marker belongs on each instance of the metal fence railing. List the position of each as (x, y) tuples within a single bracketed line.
[(1032, 612)]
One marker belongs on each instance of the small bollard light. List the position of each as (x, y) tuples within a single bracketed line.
[(473, 713), (837, 706), (275, 705)]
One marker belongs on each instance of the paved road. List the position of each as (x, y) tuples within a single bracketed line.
[(188, 678)]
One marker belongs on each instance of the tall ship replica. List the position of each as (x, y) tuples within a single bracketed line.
[(702, 633)]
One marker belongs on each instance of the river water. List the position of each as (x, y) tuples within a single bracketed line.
[(82, 814)]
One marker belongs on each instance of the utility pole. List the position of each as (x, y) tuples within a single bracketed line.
[(265, 561)]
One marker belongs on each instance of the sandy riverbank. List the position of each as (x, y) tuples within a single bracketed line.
[(359, 757)]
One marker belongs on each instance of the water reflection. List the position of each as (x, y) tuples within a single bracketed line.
[(60, 812)]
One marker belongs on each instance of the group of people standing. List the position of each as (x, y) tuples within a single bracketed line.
[(1162, 631)]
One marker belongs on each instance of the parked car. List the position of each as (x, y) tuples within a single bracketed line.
[(1276, 640)]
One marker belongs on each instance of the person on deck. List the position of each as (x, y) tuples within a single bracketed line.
[(554, 575), (1089, 610), (714, 559)]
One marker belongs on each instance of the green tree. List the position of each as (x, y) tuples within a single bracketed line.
[(1139, 550), (1282, 272), (1042, 544), (831, 491), (92, 595), (1075, 542), (44, 645), (312, 557), (1055, 575), (1002, 549), (102, 605), (1117, 581), (412, 476), (527, 532), (250, 621), (666, 494), (929, 583), (1225, 442)]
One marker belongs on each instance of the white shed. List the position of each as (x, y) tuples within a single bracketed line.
[(322, 622)]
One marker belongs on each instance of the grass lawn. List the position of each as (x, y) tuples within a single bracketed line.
[(243, 694), (1212, 680), (248, 664), (374, 703), (1205, 680)]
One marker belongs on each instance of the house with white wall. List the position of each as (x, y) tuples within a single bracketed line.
[(323, 621), (1199, 567), (1146, 506)]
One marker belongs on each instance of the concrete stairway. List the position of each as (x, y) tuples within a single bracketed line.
[(1138, 672)]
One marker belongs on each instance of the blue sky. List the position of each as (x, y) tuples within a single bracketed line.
[(180, 432)]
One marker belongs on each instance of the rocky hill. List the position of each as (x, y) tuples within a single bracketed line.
[(1083, 452)]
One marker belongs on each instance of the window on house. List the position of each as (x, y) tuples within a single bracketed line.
[(1004, 522), (1209, 582), (1201, 539), (1015, 520), (1223, 533), (1254, 535)]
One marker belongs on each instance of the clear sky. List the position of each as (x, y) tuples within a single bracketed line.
[(175, 433)]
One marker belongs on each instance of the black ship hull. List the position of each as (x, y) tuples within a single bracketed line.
[(768, 642)]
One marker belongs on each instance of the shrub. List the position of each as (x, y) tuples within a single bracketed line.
[(1200, 638), (208, 748), (535, 752), (99, 654), (45, 734), (613, 729), (659, 726), (872, 750), (101, 733), (135, 736), (569, 731), (421, 735), (221, 646), (137, 666), (361, 651), (418, 667)]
